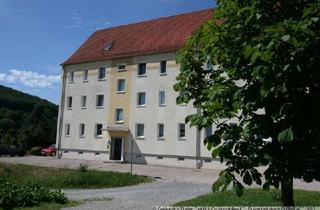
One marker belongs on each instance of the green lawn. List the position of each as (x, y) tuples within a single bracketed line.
[(68, 178), (252, 197)]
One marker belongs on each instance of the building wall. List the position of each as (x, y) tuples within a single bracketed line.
[(152, 114), (168, 151), (89, 116)]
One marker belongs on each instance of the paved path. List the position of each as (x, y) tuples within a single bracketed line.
[(139, 197), (176, 184)]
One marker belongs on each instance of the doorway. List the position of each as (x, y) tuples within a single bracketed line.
[(116, 149)]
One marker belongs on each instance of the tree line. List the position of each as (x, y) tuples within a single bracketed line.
[(25, 120)]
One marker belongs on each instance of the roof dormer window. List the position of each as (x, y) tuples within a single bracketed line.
[(109, 46)]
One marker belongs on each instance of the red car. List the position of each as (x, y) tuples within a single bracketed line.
[(49, 151)]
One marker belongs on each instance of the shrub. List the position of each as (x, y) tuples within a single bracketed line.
[(28, 195), (83, 167), (35, 151)]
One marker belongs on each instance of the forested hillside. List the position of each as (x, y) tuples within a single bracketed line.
[(26, 120)]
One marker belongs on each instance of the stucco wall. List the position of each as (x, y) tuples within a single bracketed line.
[(89, 116), (145, 150)]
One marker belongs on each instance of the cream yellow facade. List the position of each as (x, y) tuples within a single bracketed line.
[(119, 140)]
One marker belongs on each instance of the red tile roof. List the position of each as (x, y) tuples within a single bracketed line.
[(167, 34)]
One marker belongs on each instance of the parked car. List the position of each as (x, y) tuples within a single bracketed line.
[(7, 149), (49, 151)]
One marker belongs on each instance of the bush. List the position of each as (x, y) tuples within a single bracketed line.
[(83, 167), (35, 151), (28, 195)]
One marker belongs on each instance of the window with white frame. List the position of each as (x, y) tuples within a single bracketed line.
[(142, 69), (119, 115), (162, 98), (139, 130), (182, 130), (67, 129), (100, 101), (160, 131), (85, 75), (121, 67), (98, 131), (81, 129), (141, 99), (121, 85), (69, 102), (102, 73), (207, 132), (83, 102), (163, 67), (71, 76)]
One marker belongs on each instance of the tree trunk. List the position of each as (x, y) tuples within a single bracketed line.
[(287, 191)]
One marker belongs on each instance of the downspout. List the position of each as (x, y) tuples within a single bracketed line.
[(198, 145), (60, 115)]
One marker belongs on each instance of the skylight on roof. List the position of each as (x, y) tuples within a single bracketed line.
[(109, 46)]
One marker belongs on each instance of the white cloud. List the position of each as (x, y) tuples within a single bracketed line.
[(78, 20), (29, 78)]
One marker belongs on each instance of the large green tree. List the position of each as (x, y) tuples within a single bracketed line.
[(257, 63)]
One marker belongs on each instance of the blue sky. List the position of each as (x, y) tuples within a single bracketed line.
[(37, 35)]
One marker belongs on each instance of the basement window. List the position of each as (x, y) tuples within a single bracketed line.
[(208, 160), (180, 158), (160, 157)]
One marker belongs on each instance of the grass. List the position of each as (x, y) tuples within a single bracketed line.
[(64, 178), (52, 206), (252, 197)]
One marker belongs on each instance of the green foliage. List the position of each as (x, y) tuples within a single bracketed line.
[(55, 178), (252, 197), (83, 167), (26, 121), (35, 151), (264, 74), (30, 194)]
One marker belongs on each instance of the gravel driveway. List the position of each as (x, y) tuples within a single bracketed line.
[(144, 196)]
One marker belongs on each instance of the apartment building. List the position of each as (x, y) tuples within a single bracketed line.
[(118, 101)]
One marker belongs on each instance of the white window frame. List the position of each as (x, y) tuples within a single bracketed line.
[(69, 105), (105, 73), (71, 76), (124, 88), (82, 101), (158, 131), (116, 115), (85, 75), (67, 129), (179, 131), (82, 130), (97, 100), (96, 130), (138, 69), (136, 129), (145, 99), (121, 64), (165, 98), (163, 73)]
